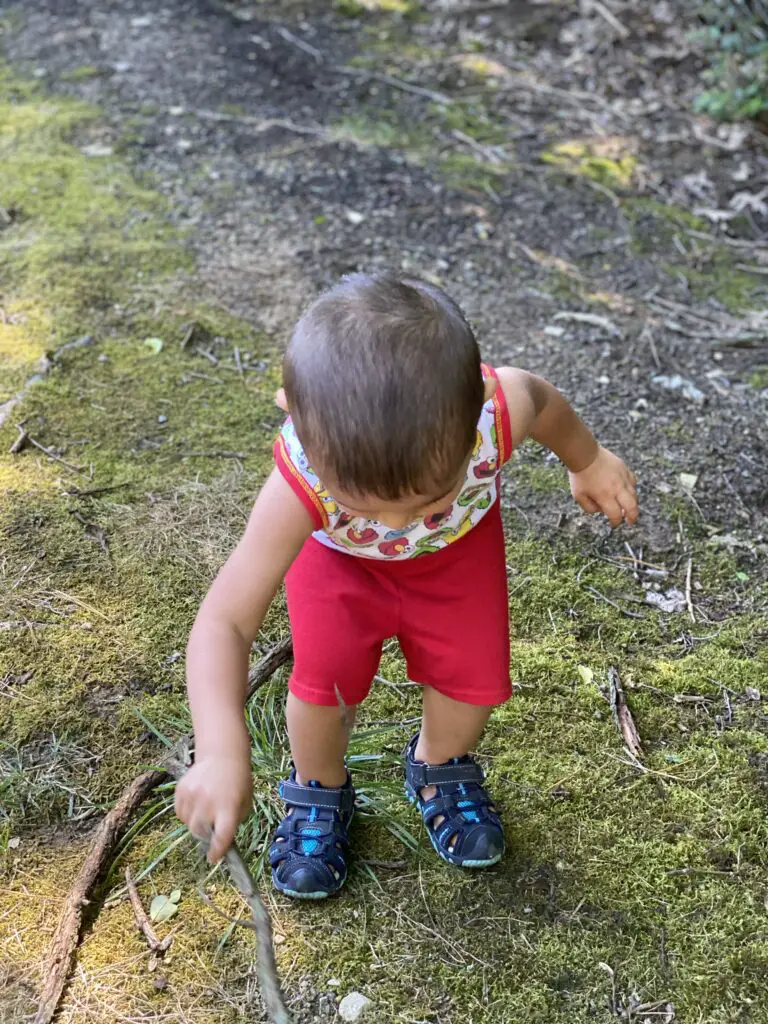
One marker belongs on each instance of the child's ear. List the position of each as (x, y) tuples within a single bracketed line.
[(490, 385), (280, 400)]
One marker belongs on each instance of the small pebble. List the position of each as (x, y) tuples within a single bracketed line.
[(353, 1006), (96, 149), (162, 419)]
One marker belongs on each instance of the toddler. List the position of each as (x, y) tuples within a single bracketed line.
[(383, 516)]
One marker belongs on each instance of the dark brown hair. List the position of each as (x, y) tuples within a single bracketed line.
[(384, 385)]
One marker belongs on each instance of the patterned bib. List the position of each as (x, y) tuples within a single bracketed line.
[(367, 538)]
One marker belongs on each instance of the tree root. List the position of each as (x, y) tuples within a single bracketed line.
[(67, 934), (65, 938)]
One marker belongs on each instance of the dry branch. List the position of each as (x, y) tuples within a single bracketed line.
[(260, 923), (108, 834), (67, 932), (143, 923), (622, 716)]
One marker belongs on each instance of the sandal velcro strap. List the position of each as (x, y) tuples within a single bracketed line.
[(476, 799), (341, 800), (466, 772)]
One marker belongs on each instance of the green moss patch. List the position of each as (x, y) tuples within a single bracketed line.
[(609, 162)]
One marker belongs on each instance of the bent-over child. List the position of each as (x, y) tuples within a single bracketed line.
[(382, 515)]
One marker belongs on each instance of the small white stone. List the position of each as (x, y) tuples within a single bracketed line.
[(353, 1006), (96, 149), (354, 217)]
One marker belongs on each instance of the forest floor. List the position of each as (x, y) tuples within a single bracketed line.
[(177, 180)]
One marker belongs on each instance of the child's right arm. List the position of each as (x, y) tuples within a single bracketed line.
[(215, 794)]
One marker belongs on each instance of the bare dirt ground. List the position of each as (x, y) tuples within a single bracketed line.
[(545, 167), (277, 211)]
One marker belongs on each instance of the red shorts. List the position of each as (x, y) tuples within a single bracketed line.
[(448, 609)]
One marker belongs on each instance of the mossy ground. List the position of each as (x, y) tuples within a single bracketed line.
[(622, 886)]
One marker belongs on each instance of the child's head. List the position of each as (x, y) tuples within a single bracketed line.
[(384, 384)]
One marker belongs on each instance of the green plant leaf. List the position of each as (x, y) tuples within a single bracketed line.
[(155, 345), (175, 896)]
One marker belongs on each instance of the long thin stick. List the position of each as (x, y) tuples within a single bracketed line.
[(261, 924)]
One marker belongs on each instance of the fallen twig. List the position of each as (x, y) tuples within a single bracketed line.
[(190, 331), (260, 124), (622, 716), (395, 83), (596, 593), (143, 923), (299, 43), (211, 455), (386, 865), (678, 872), (20, 441), (106, 837), (266, 667), (50, 454), (67, 932), (688, 599), (238, 361), (487, 152), (607, 15), (90, 492)]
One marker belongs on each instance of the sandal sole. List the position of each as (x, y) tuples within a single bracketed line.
[(319, 895)]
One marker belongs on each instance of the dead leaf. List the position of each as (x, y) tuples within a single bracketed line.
[(161, 909)]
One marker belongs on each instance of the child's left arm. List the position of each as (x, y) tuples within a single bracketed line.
[(600, 481)]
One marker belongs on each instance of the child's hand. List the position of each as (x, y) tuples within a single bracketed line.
[(213, 798), (607, 485)]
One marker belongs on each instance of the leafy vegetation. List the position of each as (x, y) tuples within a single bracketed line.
[(735, 37)]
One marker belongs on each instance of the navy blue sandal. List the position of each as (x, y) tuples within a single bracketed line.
[(309, 848), (470, 832)]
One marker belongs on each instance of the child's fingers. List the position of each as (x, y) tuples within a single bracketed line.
[(587, 504), (612, 510), (199, 825), (180, 804), (223, 833), (628, 501)]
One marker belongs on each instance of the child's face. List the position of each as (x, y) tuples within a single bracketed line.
[(401, 513)]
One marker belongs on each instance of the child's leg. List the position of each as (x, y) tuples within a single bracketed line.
[(450, 728), (319, 735)]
